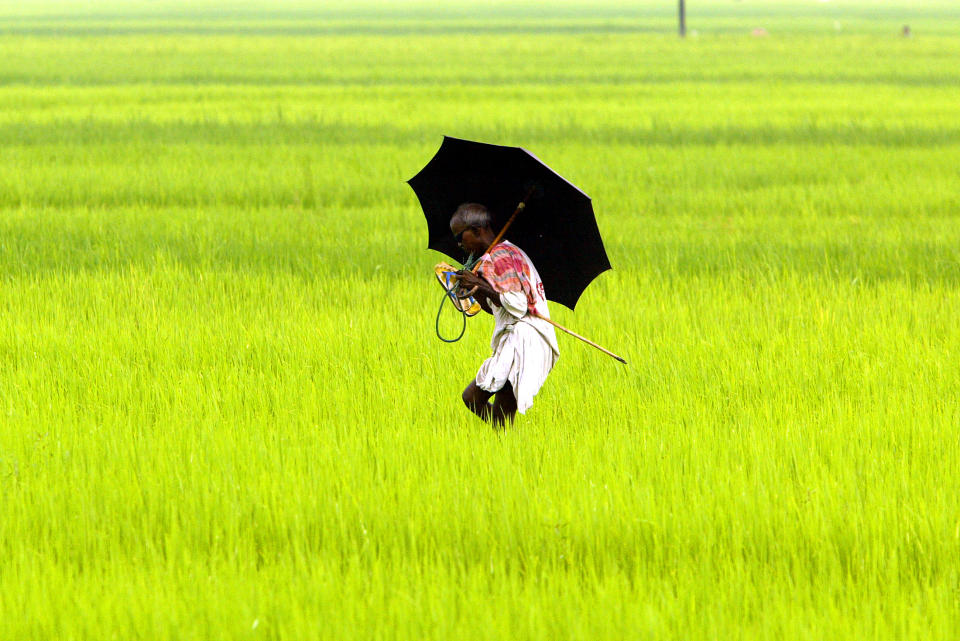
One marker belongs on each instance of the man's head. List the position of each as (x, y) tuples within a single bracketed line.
[(470, 225)]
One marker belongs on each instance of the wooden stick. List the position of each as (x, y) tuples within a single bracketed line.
[(585, 340), (520, 207)]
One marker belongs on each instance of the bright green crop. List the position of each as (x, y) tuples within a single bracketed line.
[(224, 413)]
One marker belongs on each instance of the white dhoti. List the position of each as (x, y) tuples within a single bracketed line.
[(524, 346), (521, 356)]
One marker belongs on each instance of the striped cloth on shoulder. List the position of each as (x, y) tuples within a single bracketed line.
[(507, 270)]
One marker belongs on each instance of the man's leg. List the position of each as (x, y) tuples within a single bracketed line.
[(478, 400), (504, 406)]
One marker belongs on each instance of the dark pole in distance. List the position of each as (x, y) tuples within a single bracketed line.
[(683, 19)]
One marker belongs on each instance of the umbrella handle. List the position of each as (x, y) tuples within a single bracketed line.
[(520, 207)]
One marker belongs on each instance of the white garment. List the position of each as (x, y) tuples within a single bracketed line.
[(524, 346)]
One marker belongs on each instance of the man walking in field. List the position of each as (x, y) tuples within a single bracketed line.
[(524, 346)]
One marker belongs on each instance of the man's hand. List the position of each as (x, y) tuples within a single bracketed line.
[(479, 288)]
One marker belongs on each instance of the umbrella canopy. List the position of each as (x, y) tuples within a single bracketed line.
[(557, 228)]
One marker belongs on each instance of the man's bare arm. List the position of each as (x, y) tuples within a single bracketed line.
[(480, 289)]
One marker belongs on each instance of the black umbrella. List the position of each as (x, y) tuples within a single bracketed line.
[(557, 228)]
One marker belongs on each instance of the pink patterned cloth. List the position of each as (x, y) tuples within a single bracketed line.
[(507, 269)]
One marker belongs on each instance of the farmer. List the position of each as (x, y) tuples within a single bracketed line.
[(524, 346)]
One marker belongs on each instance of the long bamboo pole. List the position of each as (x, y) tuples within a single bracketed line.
[(499, 237), (585, 340), (520, 207)]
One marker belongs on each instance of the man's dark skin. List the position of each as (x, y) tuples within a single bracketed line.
[(475, 240)]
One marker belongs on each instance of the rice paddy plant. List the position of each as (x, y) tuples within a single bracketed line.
[(223, 410)]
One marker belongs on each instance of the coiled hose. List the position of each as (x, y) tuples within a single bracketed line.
[(448, 294)]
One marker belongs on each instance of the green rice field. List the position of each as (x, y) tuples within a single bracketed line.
[(224, 410)]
